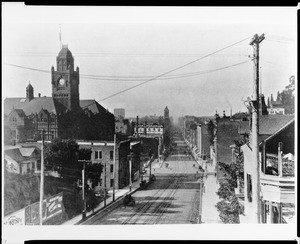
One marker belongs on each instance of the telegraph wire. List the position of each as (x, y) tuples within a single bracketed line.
[(180, 67), (148, 80), (99, 55), (133, 78)]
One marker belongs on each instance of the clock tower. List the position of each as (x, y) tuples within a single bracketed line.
[(65, 80)]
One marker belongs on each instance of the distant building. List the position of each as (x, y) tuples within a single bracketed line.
[(119, 112), (122, 126), (150, 130), (166, 113), (202, 141), (181, 122), (275, 107)]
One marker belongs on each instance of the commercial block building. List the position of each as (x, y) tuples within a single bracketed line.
[(115, 160)]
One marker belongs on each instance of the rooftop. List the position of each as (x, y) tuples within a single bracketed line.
[(33, 106), (269, 124)]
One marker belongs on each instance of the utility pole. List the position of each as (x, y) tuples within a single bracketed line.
[(42, 181), (83, 189), (200, 201), (104, 184), (114, 185), (256, 40), (130, 167)]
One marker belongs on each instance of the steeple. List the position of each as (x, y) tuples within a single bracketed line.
[(29, 92), (166, 113), (65, 60), (65, 81)]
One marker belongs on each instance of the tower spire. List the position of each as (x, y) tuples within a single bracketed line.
[(60, 37)]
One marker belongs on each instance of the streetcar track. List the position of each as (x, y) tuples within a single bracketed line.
[(152, 208)]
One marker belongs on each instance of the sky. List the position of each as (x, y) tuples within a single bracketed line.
[(125, 46)]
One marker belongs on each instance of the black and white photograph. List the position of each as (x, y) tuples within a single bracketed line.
[(148, 122)]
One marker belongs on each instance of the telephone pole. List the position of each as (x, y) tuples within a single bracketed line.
[(114, 185), (83, 187), (42, 180), (256, 40), (130, 167), (83, 190), (105, 184)]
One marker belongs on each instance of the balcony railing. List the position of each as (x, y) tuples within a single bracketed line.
[(279, 189), (288, 166)]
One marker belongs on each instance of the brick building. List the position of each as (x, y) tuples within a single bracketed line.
[(115, 160), (25, 118)]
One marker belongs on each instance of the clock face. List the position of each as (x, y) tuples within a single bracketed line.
[(61, 81)]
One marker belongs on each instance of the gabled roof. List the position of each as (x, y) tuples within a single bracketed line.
[(33, 106), (19, 112), (93, 106), (15, 154), (269, 124), (280, 130), (27, 152)]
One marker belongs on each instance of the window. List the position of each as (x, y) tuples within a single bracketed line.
[(111, 168), (111, 154), (249, 187), (98, 154), (111, 182)]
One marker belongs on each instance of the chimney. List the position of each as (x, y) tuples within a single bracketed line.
[(137, 125), (39, 94), (224, 116), (231, 113)]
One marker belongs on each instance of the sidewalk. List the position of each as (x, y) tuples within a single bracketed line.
[(210, 214), (118, 194)]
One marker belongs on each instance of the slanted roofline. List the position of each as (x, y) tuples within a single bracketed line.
[(278, 131)]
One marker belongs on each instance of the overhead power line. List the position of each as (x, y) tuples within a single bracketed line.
[(134, 78), (124, 55), (165, 74), (168, 72)]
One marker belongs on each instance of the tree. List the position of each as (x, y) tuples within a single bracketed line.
[(229, 207), (62, 156), (93, 172), (288, 97), (229, 210)]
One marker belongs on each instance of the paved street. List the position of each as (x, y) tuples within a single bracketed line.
[(172, 199)]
